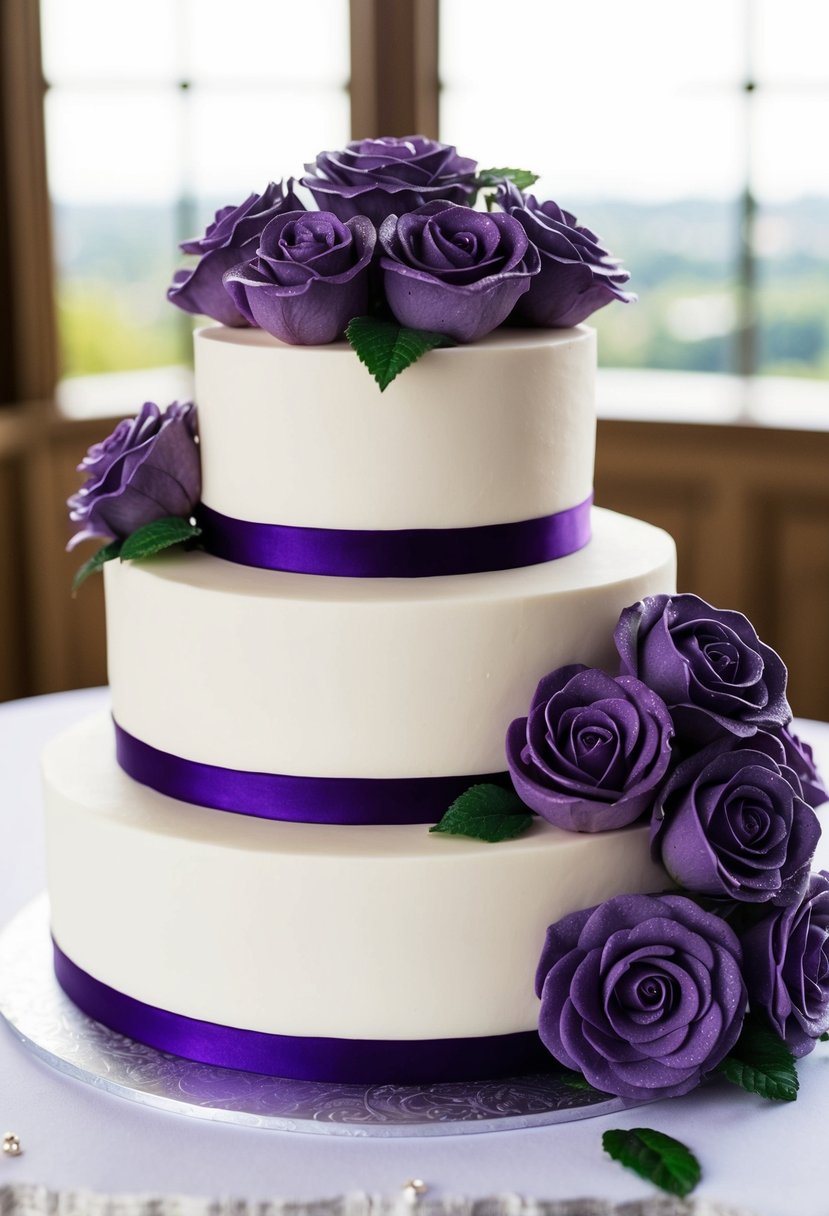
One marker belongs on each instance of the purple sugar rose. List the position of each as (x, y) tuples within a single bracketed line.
[(378, 177), (707, 664), (147, 469), (578, 276), (787, 967), (309, 276), (732, 823), (643, 994), (454, 270), (798, 756), (230, 239), (593, 751)]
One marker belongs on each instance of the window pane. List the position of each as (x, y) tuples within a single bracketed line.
[(89, 40), (113, 147), (282, 42), (635, 122), (242, 140), (791, 38)]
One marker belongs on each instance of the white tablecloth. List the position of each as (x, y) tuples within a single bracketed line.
[(771, 1159)]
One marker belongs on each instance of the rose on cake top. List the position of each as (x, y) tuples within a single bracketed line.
[(441, 271)]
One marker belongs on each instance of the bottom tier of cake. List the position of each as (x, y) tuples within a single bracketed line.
[(365, 954)]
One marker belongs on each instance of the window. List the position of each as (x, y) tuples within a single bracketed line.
[(156, 115), (689, 140)]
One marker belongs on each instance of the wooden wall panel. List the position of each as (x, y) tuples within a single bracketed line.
[(13, 636)]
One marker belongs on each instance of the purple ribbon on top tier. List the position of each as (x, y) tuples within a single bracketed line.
[(339, 800), (396, 553)]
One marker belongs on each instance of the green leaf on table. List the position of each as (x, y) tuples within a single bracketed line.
[(160, 534), (486, 812), (761, 1063), (521, 178), (824, 1038), (657, 1158), (387, 348), (95, 562)]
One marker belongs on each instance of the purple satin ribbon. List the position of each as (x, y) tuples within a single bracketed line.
[(340, 800), (344, 1061), (396, 553)]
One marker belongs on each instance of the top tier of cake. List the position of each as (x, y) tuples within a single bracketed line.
[(496, 432)]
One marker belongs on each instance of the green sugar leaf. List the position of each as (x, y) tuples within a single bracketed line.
[(387, 348), (521, 178), (486, 812), (575, 1080), (761, 1063), (658, 1158), (160, 534), (95, 562)]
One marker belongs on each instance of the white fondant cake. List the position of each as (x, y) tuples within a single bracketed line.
[(498, 431), (352, 933), (338, 677), (381, 932)]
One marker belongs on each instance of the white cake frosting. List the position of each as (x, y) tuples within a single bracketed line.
[(499, 431), (333, 677), (350, 932)]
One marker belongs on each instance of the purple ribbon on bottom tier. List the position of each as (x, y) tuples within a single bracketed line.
[(342, 1061), (334, 800), (400, 552)]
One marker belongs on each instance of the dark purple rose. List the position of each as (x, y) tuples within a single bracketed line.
[(454, 270), (578, 276), (309, 276), (707, 664), (593, 751), (787, 967), (147, 469), (643, 995), (732, 823), (800, 758), (378, 177), (229, 240)]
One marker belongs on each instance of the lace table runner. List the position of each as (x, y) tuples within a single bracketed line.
[(27, 1200)]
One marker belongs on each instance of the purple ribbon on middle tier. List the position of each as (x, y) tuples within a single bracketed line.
[(398, 552), (334, 800)]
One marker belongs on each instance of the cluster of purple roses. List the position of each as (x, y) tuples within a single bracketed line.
[(396, 231), (645, 995)]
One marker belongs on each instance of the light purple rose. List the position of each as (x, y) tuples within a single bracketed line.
[(378, 177), (643, 994), (309, 276), (454, 270), (707, 664), (593, 751), (230, 239), (731, 823), (578, 275), (147, 469), (787, 967)]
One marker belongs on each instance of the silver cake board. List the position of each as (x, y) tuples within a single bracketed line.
[(46, 1021)]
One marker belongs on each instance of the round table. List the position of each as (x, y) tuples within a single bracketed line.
[(767, 1158)]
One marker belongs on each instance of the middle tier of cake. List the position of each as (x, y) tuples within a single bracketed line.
[(256, 671)]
